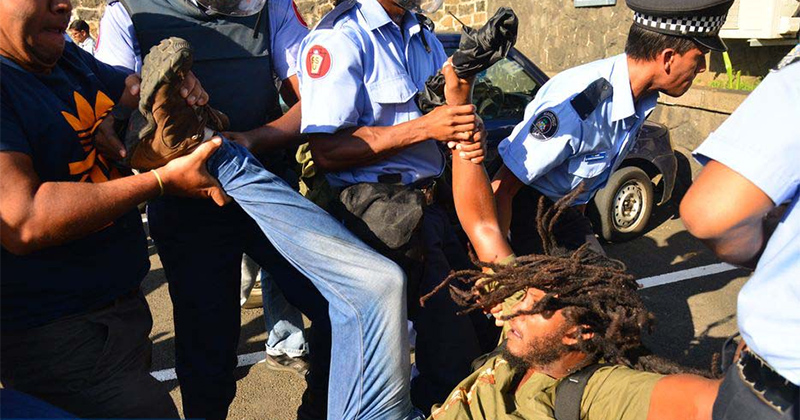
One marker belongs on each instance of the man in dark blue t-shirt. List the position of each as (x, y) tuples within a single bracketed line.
[(75, 325)]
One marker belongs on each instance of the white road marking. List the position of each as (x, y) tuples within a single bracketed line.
[(690, 273), (244, 360), (707, 270)]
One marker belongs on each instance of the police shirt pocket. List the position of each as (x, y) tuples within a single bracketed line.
[(590, 165), (395, 90)]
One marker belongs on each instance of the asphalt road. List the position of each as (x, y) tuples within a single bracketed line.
[(694, 316)]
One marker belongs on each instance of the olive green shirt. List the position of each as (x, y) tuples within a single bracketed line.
[(613, 392)]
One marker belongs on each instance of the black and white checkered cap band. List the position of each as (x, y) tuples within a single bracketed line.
[(684, 25)]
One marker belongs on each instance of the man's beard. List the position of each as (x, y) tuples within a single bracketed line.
[(540, 352)]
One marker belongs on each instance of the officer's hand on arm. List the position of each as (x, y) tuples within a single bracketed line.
[(359, 146), (35, 215), (727, 212), (473, 150), (187, 176), (105, 137), (448, 123)]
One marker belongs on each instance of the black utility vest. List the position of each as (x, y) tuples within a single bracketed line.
[(231, 55)]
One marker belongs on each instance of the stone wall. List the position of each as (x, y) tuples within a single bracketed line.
[(556, 35), (89, 10), (470, 12)]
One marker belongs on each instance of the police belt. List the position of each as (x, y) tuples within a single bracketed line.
[(768, 385), (426, 186)]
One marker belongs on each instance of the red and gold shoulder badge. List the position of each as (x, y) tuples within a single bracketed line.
[(298, 15), (318, 62)]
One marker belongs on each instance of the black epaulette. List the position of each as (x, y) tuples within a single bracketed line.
[(110, 2), (587, 101), (425, 22), (329, 19)]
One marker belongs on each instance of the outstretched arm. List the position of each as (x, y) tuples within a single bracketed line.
[(686, 397), (360, 146), (472, 193)]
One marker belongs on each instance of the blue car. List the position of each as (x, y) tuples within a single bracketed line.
[(646, 177)]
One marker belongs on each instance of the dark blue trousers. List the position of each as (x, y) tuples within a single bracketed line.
[(201, 247), (446, 343)]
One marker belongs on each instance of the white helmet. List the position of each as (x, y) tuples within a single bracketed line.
[(233, 7), (420, 6)]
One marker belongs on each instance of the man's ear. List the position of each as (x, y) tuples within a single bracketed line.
[(571, 337), (666, 58)]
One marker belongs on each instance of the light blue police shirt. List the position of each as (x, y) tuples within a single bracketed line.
[(117, 44), (553, 149), (365, 71), (761, 142)]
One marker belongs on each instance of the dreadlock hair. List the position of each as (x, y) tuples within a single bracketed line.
[(594, 291)]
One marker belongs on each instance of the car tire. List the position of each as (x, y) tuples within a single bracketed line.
[(625, 204)]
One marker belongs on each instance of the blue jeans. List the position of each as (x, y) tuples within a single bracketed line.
[(364, 293), (283, 321)]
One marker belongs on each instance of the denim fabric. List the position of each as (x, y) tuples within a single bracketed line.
[(365, 291), (284, 323)]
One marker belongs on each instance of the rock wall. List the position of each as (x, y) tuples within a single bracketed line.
[(470, 12)]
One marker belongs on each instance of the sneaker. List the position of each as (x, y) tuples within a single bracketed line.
[(284, 363), (167, 127), (254, 301)]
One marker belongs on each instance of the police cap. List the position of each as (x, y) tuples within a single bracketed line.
[(699, 20)]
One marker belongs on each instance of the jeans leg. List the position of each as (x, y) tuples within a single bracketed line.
[(365, 291), (201, 248), (284, 323)]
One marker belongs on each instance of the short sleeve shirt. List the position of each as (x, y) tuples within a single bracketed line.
[(556, 146), (613, 392), (761, 142), (365, 70), (117, 44), (52, 119)]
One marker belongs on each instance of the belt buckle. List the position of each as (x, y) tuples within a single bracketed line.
[(429, 193)]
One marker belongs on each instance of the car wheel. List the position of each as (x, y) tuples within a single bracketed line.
[(625, 204)]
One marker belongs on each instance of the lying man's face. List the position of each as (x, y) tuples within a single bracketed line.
[(32, 32), (537, 340)]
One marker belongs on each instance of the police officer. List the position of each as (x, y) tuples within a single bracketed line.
[(360, 70), (238, 45), (731, 207), (584, 120)]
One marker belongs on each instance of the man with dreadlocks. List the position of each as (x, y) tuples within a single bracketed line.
[(576, 318)]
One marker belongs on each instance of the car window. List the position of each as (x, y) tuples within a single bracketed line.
[(503, 91)]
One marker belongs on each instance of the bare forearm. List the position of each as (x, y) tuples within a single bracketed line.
[(505, 186), (60, 212), (279, 134), (727, 212), (363, 146), (476, 210), (740, 246)]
